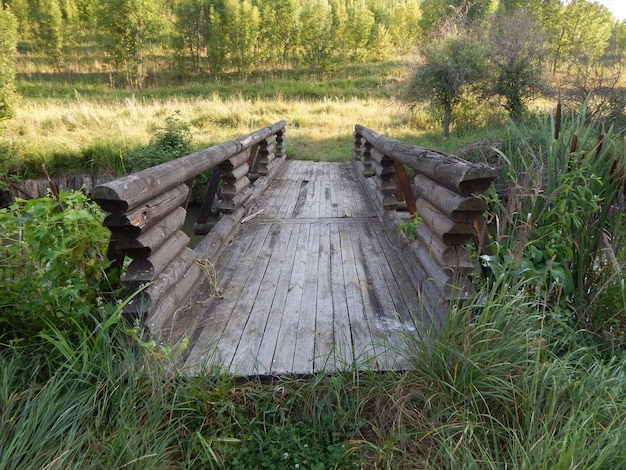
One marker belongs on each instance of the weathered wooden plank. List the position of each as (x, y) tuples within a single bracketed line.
[(290, 199), (285, 348), (363, 345), (233, 270), (304, 353), (376, 298), (342, 334), (324, 355), (394, 318), (251, 268), (275, 322), (247, 333), (396, 273), (247, 353)]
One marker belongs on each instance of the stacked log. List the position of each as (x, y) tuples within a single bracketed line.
[(360, 157), (146, 213), (234, 173), (445, 190), (266, 155)]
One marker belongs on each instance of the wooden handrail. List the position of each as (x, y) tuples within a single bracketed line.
[(147, 210), (443, 193), (449, 170), (135, 189)]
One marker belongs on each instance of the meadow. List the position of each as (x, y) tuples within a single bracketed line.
[(531, 374)]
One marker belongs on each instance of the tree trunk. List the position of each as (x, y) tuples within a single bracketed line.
[(447, 117)]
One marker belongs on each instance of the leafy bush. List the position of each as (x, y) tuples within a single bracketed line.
[(51, 265), (169, 142)]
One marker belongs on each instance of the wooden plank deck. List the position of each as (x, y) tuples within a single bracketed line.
[(310, 284)]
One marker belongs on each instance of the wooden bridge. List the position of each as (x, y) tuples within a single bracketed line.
[(305, 269)]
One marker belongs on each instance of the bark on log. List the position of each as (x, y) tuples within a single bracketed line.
[(150, 241), (143, 270), (453, 172), (133, 223), (450, 232), (458, 208), (134, 190)]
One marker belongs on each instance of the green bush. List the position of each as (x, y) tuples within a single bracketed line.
[(169, 142), (52, 264)]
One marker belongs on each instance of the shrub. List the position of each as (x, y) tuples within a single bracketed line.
[(561, 220), (169, 142), (51, 265)]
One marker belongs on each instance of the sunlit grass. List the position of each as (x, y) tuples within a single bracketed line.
[(316, 129)]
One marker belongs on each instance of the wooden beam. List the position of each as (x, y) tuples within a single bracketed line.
[(453, 172), (134, 190)]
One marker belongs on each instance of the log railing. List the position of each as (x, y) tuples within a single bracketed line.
[(147, 210), (443, 193)]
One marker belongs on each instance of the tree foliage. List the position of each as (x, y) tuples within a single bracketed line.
[(450, 66), (517, 49), (130, 25), (8, 45)]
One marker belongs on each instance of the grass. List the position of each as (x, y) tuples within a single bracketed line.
[(497, 391), (80, 124)]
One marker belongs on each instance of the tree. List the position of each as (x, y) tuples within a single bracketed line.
[(316, 35), (8, 51), (216, 39), (517, 47), (358, 31), (404, 27), (450, 66), (242, 21), (435, 12), (279, 30), (130, 25), (191, 29), (47, 20), (583, 30)]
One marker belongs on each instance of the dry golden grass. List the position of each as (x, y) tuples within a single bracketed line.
[(316, 129)]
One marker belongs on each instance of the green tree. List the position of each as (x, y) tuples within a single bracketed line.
[(517, 47), (435, 12), (358, 30), (316, 34), (46, 19), (8, 51), (242, 22), (130, 25), (450, 66), (216, 39), (404, 27), (583, 30), (191, 29), (279, 30)]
